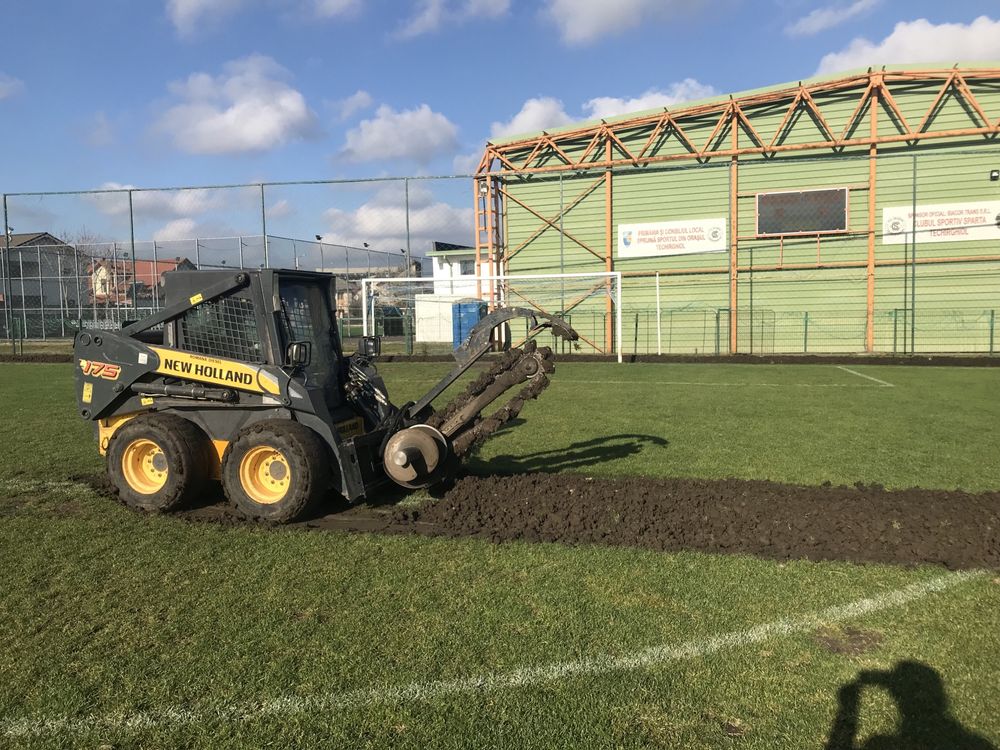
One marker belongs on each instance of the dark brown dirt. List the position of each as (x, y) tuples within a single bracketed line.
[(36, 358), (847, 640), (783, 522)]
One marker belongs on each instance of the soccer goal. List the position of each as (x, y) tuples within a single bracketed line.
[(433, 314)]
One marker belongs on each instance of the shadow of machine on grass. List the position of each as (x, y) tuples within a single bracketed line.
[(579, 455), (925, 720)]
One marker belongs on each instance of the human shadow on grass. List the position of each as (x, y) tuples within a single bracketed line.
[(925, 721), (579, 455)]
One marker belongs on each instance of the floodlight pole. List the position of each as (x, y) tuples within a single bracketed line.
[(5, 270)]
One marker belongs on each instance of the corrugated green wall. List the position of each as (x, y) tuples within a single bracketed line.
[(950, 308)]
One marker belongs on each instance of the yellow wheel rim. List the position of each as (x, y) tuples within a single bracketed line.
[(144, 466), (265, 475)]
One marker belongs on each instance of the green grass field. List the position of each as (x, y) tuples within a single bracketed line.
[(124, 630)]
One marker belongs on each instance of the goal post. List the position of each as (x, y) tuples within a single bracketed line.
[(432, 313)]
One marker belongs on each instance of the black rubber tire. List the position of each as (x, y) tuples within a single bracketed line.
[(186, 449), (308, 463)]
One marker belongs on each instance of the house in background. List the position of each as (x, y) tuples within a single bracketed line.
[(110, 280), (41, 269)]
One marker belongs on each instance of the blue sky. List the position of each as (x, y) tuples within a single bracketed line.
[(182, 92)]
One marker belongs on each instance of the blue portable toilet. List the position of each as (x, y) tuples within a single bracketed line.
[(464, 316)]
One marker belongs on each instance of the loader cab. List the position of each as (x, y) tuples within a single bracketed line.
[(281, 318)]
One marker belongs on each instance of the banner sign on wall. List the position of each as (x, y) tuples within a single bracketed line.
[(672, 238), (942, 222)]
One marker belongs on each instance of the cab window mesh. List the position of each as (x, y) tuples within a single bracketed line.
[(225, 327), (297, 314)]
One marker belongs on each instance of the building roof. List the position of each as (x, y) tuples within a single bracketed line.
[(442, 249), (32, 238), (678, 109)]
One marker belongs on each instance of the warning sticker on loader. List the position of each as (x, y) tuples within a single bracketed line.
[(351, 427), (212, 370)]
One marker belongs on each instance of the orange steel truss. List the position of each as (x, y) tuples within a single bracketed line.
[(603, 147)]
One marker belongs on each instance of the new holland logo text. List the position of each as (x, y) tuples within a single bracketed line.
[(207, 372), (100, 369)]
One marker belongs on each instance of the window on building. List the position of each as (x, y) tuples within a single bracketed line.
[(467, 268), (802, 212)]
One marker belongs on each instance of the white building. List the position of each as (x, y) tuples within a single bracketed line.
[(454, 274)]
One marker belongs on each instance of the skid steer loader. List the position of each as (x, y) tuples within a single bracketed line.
[(242, 378)]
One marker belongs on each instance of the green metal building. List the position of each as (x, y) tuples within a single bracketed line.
[(779, 220)]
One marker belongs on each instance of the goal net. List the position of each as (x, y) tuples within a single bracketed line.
[(434, 314)]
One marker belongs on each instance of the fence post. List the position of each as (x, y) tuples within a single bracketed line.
[(41, 291), (913, 277), (805, 332), (993, 314), (24, 298), (406, 195), (364, 305), (241, 251), (659, 344), (263, 226), (79, 291), (131, 229), (8, 311), (62, 297), (155, 280)]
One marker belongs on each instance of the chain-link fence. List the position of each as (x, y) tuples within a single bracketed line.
[(56, 289), (97, 258), (845, 253)]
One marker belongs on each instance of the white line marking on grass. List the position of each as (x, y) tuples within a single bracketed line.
[(727, 385), (883, 383), (698, 382), (492, 681)]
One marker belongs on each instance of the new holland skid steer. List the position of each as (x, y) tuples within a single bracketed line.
[(241, 377)]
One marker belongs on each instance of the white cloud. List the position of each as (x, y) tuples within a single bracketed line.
[(9, 86), (99, 131), (466, 163), (191, 16), (356, 102), (157, 204), (547, 113), (178, 214), (682, 91), (333, 8), (431, 15), (188, 16), (584, 21), (920, 41), (250, 107), (177, 229), (381, 221), (419, 134), (280, 209), (825, 18), (536, 114)]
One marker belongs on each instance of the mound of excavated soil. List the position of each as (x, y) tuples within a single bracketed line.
[(860, 524), (857, 524)]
